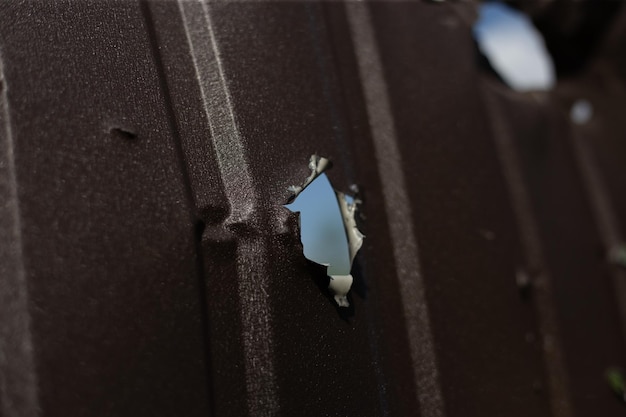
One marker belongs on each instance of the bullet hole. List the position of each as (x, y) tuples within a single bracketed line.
[(514, 48), (327, 227)]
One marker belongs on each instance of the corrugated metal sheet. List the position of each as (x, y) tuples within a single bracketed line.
[(149, 268)]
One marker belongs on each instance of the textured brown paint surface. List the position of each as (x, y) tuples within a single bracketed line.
[(471, 293), (107, 234), (144, 300)]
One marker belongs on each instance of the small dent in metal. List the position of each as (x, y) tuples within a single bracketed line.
[(123, 133)]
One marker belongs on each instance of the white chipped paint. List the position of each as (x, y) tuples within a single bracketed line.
[(340, 286), (514, 48), (348, 207)]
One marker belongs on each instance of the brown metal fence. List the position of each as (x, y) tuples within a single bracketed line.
[(148, 266)]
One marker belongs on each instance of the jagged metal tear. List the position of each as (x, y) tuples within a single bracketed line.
[(329, 233), (317, 165)]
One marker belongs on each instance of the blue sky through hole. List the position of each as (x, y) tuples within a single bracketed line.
[(321, 225), (514, 47)]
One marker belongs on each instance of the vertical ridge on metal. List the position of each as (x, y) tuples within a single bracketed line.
[(534, 256), (397, 206), (240, 190), (18, 379)]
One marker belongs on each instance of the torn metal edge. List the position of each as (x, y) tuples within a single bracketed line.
[(340, 284), (348, 212), (318, 165)]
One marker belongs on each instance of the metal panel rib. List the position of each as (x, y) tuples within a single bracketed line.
[(534, 258), (397, 206), (18, 380), (239, 187)]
